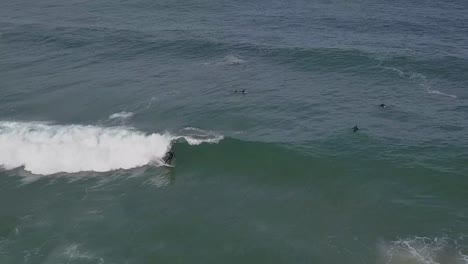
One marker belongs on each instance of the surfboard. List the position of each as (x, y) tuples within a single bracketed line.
[(168, 165)]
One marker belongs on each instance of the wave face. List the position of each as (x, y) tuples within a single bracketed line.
[(47, 149)]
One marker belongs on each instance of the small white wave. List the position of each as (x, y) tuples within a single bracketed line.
[(73, 251), (421, 250), (232, 60), (197, 141), (121, 115), (398, 71), (198, 130), (417, 76), (197, 136), (463, 258), (406, 75), (430, 91), (421, 80)]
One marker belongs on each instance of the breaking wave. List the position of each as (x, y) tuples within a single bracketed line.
[(46, 149)]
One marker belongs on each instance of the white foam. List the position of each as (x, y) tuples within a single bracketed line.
[(416, 76), (197, 130), (48, 149), (232, 60), (121, 115), (197, 136), (430, 91), (422, 250), (427, 85), (73, 252), (398, 71), (463, 258), (197, 141)]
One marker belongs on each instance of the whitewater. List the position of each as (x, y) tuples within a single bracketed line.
[(43, 148)]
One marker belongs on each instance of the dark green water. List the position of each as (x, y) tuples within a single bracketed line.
[(93, 93)]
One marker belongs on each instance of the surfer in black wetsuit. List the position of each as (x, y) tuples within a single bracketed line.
[(383, 105), (168, 157), (240, 91), (355, 128)]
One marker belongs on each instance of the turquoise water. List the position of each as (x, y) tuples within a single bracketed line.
[(93, 93)]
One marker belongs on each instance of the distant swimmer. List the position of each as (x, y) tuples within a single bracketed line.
[(355, 128), (168, 157), (383, 105), (240, 91)]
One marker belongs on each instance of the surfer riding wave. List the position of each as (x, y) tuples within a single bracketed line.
[(168, 157)]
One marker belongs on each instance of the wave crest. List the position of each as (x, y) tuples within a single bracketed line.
[(48, 149)]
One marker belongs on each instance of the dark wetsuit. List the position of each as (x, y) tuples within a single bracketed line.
[(168, 157), (240, 91), (355, 129)]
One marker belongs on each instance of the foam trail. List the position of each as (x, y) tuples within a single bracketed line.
[(75, 252), (197, 141), (197, 136), (430, 91), (232, 60), (424, 83), (398, 71), (422, 250), (47, 149), (121, 115)]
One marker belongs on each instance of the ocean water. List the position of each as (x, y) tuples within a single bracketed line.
[(93, 93)]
